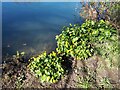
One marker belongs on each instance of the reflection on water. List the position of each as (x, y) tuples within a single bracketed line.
[(32, 27)]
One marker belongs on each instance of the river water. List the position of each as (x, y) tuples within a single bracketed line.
[(32, 27)]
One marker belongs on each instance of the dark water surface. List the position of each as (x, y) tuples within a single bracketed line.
[(32, 27)]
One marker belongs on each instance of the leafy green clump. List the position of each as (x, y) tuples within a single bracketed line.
[(81, 41), (77, 41), (47, 67)]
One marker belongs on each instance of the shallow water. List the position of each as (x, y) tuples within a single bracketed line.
[(32, 27)]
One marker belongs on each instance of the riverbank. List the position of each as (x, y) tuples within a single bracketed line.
[(92, 73)]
